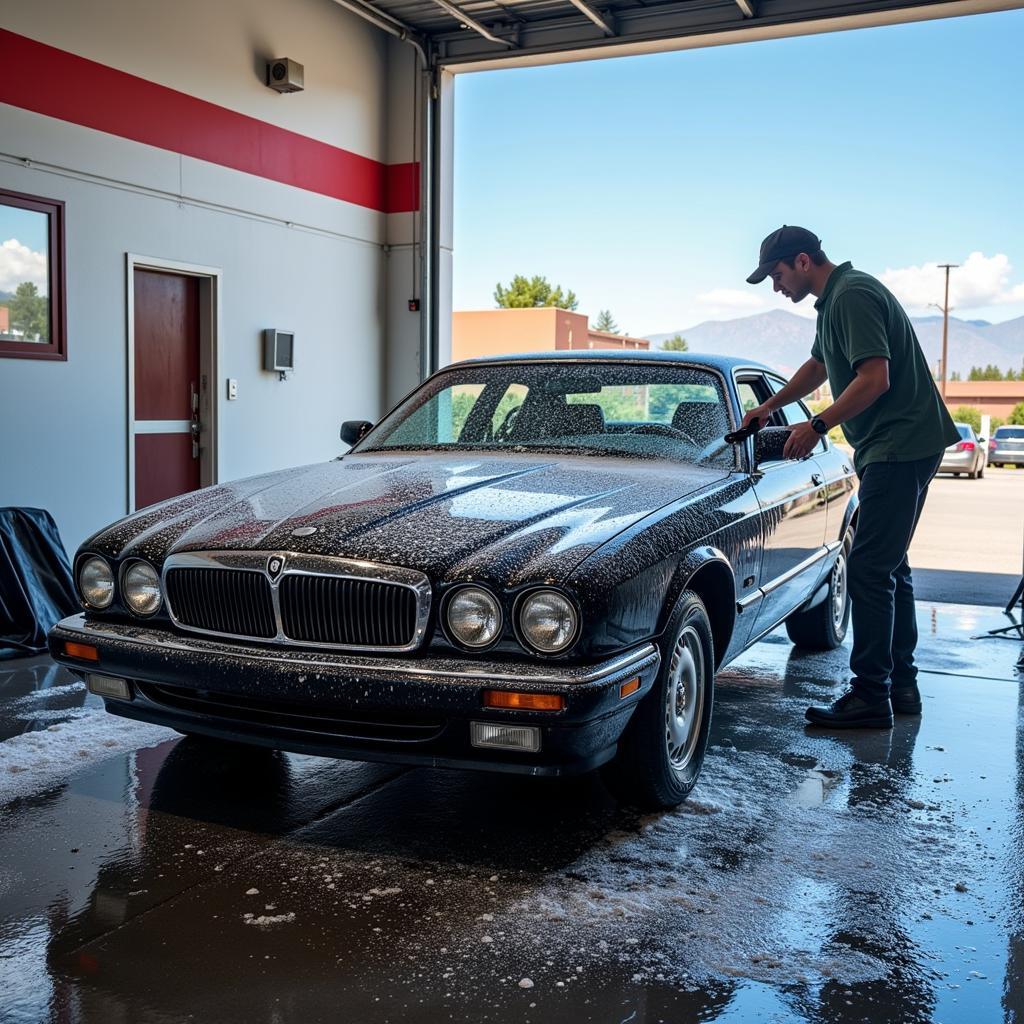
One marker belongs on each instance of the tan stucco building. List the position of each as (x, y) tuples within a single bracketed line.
[(546, 329), (992, 397)]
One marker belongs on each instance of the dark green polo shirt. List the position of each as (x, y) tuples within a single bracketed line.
[(858, 317)]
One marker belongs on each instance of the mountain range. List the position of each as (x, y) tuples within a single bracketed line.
[(783, 340)]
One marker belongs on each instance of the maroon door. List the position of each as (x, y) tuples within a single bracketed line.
[(166, 385)]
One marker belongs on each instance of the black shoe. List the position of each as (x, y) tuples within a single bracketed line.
[(853, 712), (906, 700)]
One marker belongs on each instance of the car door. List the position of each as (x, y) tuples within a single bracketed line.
[(794, 508), (836, 468)]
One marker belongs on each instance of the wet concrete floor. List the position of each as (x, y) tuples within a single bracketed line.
[(813, 876)]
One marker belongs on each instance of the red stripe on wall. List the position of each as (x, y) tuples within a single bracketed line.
[(60, 84)]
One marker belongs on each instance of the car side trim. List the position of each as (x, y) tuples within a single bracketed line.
[(823, 552)]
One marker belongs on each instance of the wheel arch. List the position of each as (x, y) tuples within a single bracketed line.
[(709, 574)]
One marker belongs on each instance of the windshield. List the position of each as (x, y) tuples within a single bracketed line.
[(629, 409), (964, 430), (1016, 433)]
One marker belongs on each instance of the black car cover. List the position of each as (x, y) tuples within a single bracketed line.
[(36, 589)]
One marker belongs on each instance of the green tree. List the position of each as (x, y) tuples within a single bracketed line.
[(529, 293), (677, 343), (606, 322), (30, 312), (1017, 415), (968, 414), (955, 375)]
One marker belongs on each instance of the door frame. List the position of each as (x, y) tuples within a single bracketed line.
[(209, 360)]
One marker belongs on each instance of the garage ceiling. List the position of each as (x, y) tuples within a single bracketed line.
[(459, 33)]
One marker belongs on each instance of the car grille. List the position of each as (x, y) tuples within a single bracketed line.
[(318, 609), (231, 601), (336, 610)]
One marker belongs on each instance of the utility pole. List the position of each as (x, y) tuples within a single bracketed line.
[(945, 327)]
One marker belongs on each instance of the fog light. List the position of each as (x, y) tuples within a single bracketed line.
[(505, 737), (109, 686)]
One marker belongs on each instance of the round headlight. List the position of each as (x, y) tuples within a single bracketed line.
[(96, 582), (548, 621), (140, 588), (474, 617)]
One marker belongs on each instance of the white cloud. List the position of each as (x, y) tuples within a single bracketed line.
[(979, 281), (20, 263)]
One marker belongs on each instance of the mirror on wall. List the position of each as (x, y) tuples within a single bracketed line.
[(32, 321)]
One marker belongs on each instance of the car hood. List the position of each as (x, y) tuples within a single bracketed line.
[(448, 516)]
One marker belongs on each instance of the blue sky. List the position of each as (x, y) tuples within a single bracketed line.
[(646, 184), (22, 248)]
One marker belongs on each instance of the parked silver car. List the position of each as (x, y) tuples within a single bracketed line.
[(1007, 447), (967, 455)]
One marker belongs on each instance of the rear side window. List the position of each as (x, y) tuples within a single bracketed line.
[(795, 412)]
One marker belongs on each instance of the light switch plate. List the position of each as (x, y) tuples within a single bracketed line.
[(232, 389)]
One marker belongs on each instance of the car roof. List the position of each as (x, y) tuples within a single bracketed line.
[(725, 364)]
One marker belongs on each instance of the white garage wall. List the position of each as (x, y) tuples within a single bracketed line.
[(289, 258)]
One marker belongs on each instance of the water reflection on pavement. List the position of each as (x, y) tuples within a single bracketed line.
[(813, 877)]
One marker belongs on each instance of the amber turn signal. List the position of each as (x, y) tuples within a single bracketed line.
[(629, 686), (523, 701), (86, 652)]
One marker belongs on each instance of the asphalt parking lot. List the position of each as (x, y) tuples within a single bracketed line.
[(969, 544), (873, 876)]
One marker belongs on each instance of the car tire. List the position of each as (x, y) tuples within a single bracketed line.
[(662, 749), (823, 627)]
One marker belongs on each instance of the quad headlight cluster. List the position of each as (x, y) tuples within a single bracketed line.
[(546, 620), (140, 585)]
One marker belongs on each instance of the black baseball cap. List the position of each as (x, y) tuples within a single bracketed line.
[(785, 243)]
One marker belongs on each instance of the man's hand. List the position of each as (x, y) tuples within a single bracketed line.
[(802, 440), (761, 412)]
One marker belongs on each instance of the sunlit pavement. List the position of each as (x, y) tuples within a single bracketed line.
[(815, 876)]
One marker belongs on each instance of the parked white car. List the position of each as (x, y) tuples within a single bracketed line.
[(967, 455)]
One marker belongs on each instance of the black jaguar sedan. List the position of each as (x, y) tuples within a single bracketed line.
[(533, 564)]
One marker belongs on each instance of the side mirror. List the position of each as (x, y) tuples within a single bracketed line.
[(769, 444), (355, 430)]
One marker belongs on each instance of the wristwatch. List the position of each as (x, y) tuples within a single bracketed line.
[(820, 426)]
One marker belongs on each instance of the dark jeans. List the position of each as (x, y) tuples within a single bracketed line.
[(881, 588)]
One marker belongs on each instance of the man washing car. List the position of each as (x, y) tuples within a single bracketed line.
[(890, 411)]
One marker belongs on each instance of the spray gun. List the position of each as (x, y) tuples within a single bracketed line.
[(718, 445), (737, 436)]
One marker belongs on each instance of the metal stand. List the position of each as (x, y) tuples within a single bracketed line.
[(1017, 627)]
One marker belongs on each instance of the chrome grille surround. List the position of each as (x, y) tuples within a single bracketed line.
[(291, 564)]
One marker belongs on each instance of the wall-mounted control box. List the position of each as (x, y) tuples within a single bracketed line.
[(278, 351)]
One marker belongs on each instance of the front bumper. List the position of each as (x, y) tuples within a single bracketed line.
[(401, 710)]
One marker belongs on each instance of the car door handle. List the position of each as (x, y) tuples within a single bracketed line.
[(817, 479)]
